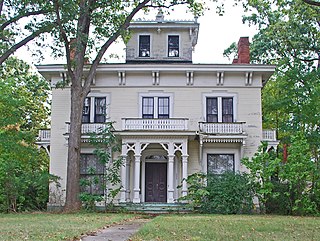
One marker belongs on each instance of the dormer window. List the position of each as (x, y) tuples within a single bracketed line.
[(173, 46), (144, 46)]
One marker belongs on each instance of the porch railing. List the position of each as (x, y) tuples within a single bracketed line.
[(221, 128), (87, 128), (174, 124), (44, 135), (269, 135)]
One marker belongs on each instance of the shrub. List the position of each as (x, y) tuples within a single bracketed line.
[(228, 193)]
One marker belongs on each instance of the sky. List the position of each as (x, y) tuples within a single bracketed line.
[(216, 33)]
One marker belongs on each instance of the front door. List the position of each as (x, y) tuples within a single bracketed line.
[(156, 182)]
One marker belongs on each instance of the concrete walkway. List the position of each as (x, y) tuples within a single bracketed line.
[(121, 232)]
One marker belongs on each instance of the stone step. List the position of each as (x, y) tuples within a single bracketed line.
[(155, 207)]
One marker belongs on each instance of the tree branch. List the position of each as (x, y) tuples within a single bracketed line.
[(64, 37), (313, 3), (32, 36), (20, 16), (104, 47), (82, 36), (1, 6)]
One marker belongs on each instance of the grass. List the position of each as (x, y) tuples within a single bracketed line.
[(230, 227), (45, 226)]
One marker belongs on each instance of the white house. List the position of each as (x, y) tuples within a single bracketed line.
[(174, 117)]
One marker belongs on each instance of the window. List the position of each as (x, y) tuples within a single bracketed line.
[(163, 107), (97, 114), (219, 109), (100, 110), (227, 109), (173, 46), (86, 110), (155, 107), (92, 173), (144, 46), (219, 163), (148, 107), (212, 109)]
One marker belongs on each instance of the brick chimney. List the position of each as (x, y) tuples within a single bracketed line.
[(72, 46), (243, 51)]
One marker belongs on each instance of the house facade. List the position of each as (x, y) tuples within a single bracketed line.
[(173, 117)]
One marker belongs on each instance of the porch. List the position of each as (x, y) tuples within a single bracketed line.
[(153, 168)]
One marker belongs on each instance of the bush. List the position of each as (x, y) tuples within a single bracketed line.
[(278, 202), (228, 193)]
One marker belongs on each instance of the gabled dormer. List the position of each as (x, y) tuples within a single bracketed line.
[(161, 40)]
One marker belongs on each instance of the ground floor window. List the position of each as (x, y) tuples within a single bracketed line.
[(219, 163), (92, 173)]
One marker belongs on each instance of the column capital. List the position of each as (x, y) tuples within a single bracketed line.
[(171, 158)]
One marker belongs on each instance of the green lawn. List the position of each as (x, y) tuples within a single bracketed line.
[(43, 226), (230, 227)]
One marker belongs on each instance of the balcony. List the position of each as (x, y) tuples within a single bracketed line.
[(87, 128), (269, 135), (172, 124), (44, 136), (221, 128)]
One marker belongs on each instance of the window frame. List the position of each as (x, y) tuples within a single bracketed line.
[(92, 110), (219, 154), (139, 45), (220, 97), (156, 97), (89, 176), (179, 44)]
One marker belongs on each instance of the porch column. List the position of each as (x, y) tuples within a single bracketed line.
[(136, 187), (201, 154), (170, 198), (128, 167), (184, 190), (123, 174)]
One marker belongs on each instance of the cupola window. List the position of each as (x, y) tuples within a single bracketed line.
[(173, 46), (144, 46)]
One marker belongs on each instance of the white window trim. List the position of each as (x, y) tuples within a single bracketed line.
[(92, 96), (167, 45), (138, 48), (156, 95), (220, 96), (216, 151)]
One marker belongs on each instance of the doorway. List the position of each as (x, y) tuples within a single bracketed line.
[(156, 182)]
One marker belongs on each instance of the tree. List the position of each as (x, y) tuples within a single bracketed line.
[(288, 30), (313, 3), (87, 28), (23, 109), (22, 22), (289, 37)]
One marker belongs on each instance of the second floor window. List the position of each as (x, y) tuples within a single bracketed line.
[(94, 110), (219, 109), (155, 107), (144, 46), (173, 46)]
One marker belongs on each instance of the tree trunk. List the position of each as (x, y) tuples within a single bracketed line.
[(73, 202)]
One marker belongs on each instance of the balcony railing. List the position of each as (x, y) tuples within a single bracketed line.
[(221, 128), (44, 135), (174, 124), (88, 128), (269, 135)]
